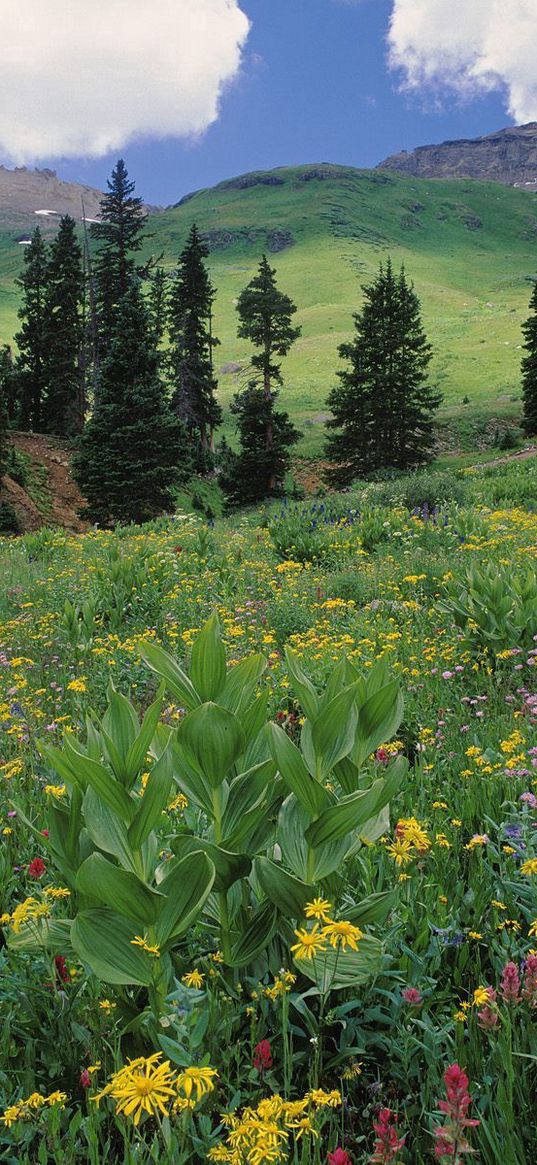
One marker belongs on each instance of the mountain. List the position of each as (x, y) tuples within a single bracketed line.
[(470, 248), (508, 156), (30, 198)]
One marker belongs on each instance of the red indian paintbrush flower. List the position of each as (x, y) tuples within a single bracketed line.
[(262, 1056), (388, 1143), (339, 1157), (36, 868), (450, 1138)]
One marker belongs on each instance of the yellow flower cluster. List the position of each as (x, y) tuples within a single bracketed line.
[(264, 1135), (31, 1106), (28, 911), (147, 1086), (340, 933)]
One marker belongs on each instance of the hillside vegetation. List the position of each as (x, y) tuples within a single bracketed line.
[(469, 247)]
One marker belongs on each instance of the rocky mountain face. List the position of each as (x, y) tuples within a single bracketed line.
[(508, 156), (30, 198)]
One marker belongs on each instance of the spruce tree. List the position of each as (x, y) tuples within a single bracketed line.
[(64, 400), (257, 472), (157, 301), (191, 345), (4, 417), (383, 408), (529, 369), (265, 315), (31, 365), (119, 235), (131, 452)]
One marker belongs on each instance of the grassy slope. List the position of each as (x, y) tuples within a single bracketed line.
[(473, 283)]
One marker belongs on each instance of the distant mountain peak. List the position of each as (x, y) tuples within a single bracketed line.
[(508, 156), (30, 198)]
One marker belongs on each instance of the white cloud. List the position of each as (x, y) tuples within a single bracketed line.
[(469, 46), (81, 78)]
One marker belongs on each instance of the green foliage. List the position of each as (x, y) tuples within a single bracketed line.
[(63, 404), (119, 235), (132, 450), (31, 339), (494, 606), (383, 408), (529, 369)]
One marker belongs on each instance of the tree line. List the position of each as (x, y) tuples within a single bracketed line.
[(118, 355)]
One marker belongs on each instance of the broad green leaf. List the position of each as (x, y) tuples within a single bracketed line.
[(333, 732), (289, 894), (121, 726), (208, 661), (164, 665), (61, 765), (302, 685), (336, 969), (186, 889), (92, 773), (246, 793), (293, 771), (140, 746), (43, 934), (103, 940), (120, 889), (378, 720), (353, 811), (190, 781), (372, 909), (154, 800), (229, 867), (309, 865), (211, 739), (241, 682), (256, 935), (342, 676), (106, 830)]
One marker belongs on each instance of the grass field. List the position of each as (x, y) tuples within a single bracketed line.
[(470, 248)]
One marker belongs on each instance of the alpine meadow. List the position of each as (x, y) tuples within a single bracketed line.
[(268, 584)]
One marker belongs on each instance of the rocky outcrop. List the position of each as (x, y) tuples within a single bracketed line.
[(30, 198), (508, 156)]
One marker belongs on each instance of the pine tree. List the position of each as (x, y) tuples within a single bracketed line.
[(383, 408), (64, 400), (191, 344), (31, 365), (119, 235), (4, 415), (529, 369), (132, 450), (265, 315), (257, 472), (157, 301)]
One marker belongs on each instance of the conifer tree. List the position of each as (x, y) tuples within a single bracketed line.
[(4, 418), (64, 400), (383, 408), (191, 344), (157, 305), (119, 235), (265, 315), (31, 365), (132, 450), (529, 369), (257, 472)]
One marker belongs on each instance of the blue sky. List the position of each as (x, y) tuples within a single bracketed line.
[(314, 85)]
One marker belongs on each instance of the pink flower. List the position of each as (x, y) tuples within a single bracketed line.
[(262, 1057), (412, 995), (85, 1079), (529, 990), (37, 868), (450, 1138), (339, 1157), (388, 1143), (510, 985)]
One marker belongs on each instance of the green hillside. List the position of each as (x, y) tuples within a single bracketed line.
[(470, 248)]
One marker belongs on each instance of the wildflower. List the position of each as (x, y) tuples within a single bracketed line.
[(55, 790), (198, 1080), (323, 1099), (77, 685), (56, 892), (320, 908), (478, 839), (412, 996), (450, 1137), (475, 934), (339, 1157), (193, 979), (352, 1070), (310, 943), (107, 1006), (488, 1017), (342, 934), (482, 995), (37, 868), (401, 851), (138, 941), (529, 989), (143, 1085), (28, 911), (387, 1143), (529, 867), (532, 932), (262, 1058), (510, 985)]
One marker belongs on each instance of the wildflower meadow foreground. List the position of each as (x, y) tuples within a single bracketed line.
[(269, 826)]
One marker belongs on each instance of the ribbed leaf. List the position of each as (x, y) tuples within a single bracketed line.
[(336, 970), (163, 664), (256, 936), (120, 889), (106, 830), (211, 739), (102, 940), (241, 682), (289, 894), (208, 661), (302, 685), (293, 770), (353, 811), (155, 798), (186, 888)]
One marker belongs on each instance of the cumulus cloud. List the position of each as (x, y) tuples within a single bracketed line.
[(470, 46), (81, 79)]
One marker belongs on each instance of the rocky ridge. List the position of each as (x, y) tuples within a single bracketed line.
[(508, 156)]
